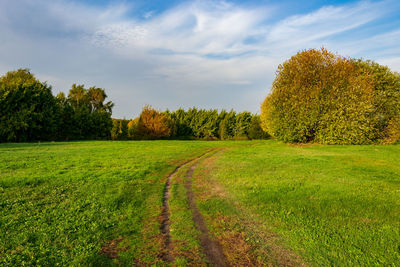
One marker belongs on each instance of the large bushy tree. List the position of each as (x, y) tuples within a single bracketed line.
[(85, 114), (321, 97), (28, 110)]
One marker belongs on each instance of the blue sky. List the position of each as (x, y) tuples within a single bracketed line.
[(171, 54)]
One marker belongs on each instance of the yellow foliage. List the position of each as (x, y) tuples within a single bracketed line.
[(393, 131), (320, 97)]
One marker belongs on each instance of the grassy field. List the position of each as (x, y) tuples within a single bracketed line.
[(98, 203), (330, 205), (63, 203)]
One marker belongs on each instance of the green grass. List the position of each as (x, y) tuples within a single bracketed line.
[(332, 205), (61, 202)]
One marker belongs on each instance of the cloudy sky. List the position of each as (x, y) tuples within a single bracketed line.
[(171, 54)]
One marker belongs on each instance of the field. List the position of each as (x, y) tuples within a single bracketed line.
[(100, 203)]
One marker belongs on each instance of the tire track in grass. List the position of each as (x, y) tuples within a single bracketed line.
[(165, 212), (211, 247)]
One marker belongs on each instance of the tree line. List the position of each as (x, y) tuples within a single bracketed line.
[(316, 97), (30, 112), (321, 97), (191, 124)]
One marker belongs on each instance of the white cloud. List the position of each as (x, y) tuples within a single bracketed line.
[(325, 22)]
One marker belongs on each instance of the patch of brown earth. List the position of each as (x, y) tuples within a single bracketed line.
[(303, 144), (192, 257), (239, 252), (112, 248)]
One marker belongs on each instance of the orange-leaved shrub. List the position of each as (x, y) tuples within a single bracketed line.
[(152, 124)]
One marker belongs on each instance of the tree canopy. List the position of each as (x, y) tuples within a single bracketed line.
[(318, 96), (30, 112)]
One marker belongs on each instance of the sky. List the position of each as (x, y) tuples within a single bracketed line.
[(171, 54)]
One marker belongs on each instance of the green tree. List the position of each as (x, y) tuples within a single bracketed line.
[(242, 125), (255, 130), (28, 110), (120, 129), (132, 128), (227, 126), (86, 113)]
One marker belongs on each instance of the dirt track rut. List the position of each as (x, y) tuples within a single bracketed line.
[(211, 248)]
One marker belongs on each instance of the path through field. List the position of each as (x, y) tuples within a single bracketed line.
[(165, 214), (216, 248), (211, 248)]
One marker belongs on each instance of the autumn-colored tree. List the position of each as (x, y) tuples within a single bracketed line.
[(386, 97), (152, 124), (321, 97), (392, 131)]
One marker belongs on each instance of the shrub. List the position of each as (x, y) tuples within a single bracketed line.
[(152, 124)]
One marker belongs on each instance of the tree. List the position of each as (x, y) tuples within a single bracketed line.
[(132, 128), (182, 123), (392, 131), (255, 130), (242, 124), (386, 93), (28, 110), (227, 126), (152, 124), (86, 114), (321, 97), (120, 129)]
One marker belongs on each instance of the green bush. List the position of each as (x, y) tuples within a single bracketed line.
[(28, 110)]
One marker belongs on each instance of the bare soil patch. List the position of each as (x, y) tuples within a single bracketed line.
[(112, 248)]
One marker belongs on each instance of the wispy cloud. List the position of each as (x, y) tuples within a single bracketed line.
[(203, 53)]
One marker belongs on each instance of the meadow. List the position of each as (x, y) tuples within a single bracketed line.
[(65, 203), (98, 203)]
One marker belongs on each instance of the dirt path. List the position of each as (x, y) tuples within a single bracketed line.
[(211, 248), (165, 213), (229, 247)]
